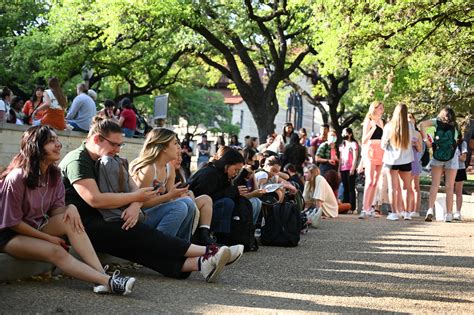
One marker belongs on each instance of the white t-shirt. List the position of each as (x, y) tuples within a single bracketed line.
[(462, 164), (6, 108), (322, 191), (54, 101), (396, 156)]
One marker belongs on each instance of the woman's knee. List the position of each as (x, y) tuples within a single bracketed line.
[(180, 210), (57, 254)]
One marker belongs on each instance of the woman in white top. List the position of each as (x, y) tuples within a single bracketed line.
[(396, 141), (318, 193), (270, 174), (172, 211), (54, 102), (5, 99)]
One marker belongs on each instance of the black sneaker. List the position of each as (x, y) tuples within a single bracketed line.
[(121, 285)]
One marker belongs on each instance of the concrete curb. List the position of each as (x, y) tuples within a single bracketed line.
[(13, 269)]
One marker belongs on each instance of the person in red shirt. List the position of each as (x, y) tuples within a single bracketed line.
[(128, 119)]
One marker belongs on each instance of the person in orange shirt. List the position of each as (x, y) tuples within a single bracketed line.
[(32, 104)]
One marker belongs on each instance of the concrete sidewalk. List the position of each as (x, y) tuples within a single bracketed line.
[(347, 265)]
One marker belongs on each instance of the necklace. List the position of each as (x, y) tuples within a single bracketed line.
[(43, 196)]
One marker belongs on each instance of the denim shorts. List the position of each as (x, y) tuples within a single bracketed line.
[(449, 165)]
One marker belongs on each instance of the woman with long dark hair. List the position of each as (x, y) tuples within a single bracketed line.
[(5, 98), (214, 179), (34, 217), (349, 153), (32, 104)]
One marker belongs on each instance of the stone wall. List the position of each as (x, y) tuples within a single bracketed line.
[(10, 137)]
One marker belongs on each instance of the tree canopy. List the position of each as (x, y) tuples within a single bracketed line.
[(353, 52)]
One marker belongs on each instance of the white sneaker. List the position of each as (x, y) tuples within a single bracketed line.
[(363, 215), (429, 215), (117, 284), (373, 214), (414, 214), (317, 218), (392, 216), (213, 262), (406, 215), (448, 217), (457, 216), (236, 252)]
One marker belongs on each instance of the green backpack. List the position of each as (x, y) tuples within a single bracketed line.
[(444, 143)]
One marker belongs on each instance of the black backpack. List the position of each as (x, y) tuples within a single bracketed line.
[(425, 158), (242, 229), (444, 144), (282, 225)]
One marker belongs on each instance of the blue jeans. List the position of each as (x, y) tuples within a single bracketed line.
[(222, 215), (187, 227), (129, 133), (202, 159), (256, 208), (170, 218)]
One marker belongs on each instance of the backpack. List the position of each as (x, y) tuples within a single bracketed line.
[(444, 144), (242, 230), (282, 226), (425, 158)]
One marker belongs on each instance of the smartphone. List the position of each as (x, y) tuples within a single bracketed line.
[(182, 185), (157, 186)]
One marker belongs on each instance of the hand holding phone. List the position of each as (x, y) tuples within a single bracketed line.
[(182, 185), (157, 186)]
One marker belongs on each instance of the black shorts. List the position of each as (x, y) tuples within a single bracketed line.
[(401, 167), (5, 236), (461, 175)]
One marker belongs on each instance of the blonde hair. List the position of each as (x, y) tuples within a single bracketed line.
[(314, 170), (373, 106), (400, 137), (156, 140)]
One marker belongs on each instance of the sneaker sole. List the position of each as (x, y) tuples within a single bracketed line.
[(129, 286), (101, 289), (214, 275), (429, 218), (237, 258)]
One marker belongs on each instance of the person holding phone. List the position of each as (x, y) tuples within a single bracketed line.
[(172, 211), (34, 217), (129, 238)]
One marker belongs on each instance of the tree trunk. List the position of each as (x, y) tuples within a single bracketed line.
[(264, 113)]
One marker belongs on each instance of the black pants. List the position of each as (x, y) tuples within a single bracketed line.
[(348, 181), (141, 244)]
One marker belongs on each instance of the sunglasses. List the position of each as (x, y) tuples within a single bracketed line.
[(114, 144)]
